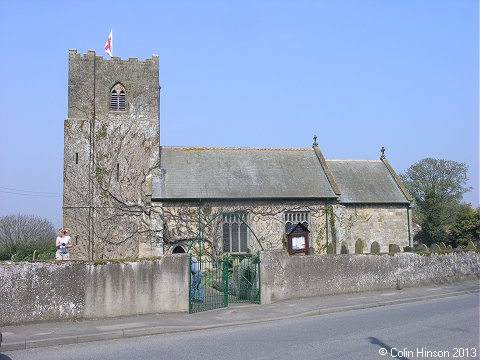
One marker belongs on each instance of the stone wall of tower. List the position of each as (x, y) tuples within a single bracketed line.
[(110, 156)]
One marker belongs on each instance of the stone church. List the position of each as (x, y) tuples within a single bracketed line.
[(127, 196)]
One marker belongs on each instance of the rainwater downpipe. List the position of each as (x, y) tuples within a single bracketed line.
[(326, 224), (409, 215)]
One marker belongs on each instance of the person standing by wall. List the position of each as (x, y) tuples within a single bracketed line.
[(197, 287), (63, 243)]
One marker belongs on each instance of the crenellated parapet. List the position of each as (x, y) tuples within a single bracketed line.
[(90, 55)]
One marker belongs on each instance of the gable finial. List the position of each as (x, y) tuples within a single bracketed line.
[(383, 153), (315, 144)]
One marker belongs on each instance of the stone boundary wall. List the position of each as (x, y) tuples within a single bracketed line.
[(40, 291), (288, 277), (73, 290)]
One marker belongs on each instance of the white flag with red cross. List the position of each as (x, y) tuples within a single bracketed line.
[(109, 44)]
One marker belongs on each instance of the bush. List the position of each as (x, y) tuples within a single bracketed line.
[(23, 235)]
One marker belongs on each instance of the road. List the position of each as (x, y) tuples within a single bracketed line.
[(446, 328)]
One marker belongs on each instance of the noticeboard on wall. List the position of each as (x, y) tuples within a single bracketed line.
[(298, 239)]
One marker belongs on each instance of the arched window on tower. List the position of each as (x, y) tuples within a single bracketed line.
[(118, 98)]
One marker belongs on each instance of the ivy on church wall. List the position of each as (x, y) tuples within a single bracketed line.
[(373, 224), (182, 223)]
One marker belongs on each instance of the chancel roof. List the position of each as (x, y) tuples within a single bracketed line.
[(240, 173), (365, 181)]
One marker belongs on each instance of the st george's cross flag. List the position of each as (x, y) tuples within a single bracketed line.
[(109, 44)]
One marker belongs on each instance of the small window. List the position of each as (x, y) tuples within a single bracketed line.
[(118, 98), (292, 218)]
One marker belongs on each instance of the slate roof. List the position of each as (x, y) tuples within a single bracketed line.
[(365, 181), (240, 173)]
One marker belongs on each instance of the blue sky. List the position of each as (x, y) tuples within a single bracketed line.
[(360, 74)]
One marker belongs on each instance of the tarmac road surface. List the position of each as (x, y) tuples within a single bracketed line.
[(440, 328)]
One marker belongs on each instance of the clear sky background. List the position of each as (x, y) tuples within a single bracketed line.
[(360, 74)]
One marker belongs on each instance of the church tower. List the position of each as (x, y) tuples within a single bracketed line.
[(111, 151)]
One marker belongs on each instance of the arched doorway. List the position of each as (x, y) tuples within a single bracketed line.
[(178, 250)]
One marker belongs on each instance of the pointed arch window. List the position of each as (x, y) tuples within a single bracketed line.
[(235, 232), (118, 98)]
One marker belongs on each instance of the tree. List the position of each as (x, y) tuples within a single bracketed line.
[(21, 235), (437, 187), (466, 226)]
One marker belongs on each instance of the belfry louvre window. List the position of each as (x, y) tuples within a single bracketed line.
[(292, 218), (235, 232), (118, 98)]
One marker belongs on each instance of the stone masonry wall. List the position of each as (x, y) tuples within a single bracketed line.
[(385, 224), (76, 289), (288, 277), (41, 291), (70, 290), (266, 220), (110, 155)]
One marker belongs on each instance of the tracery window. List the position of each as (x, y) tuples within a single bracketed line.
[(235, 232), (118, 98)]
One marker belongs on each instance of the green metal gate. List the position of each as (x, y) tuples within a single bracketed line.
[(231, 278)]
